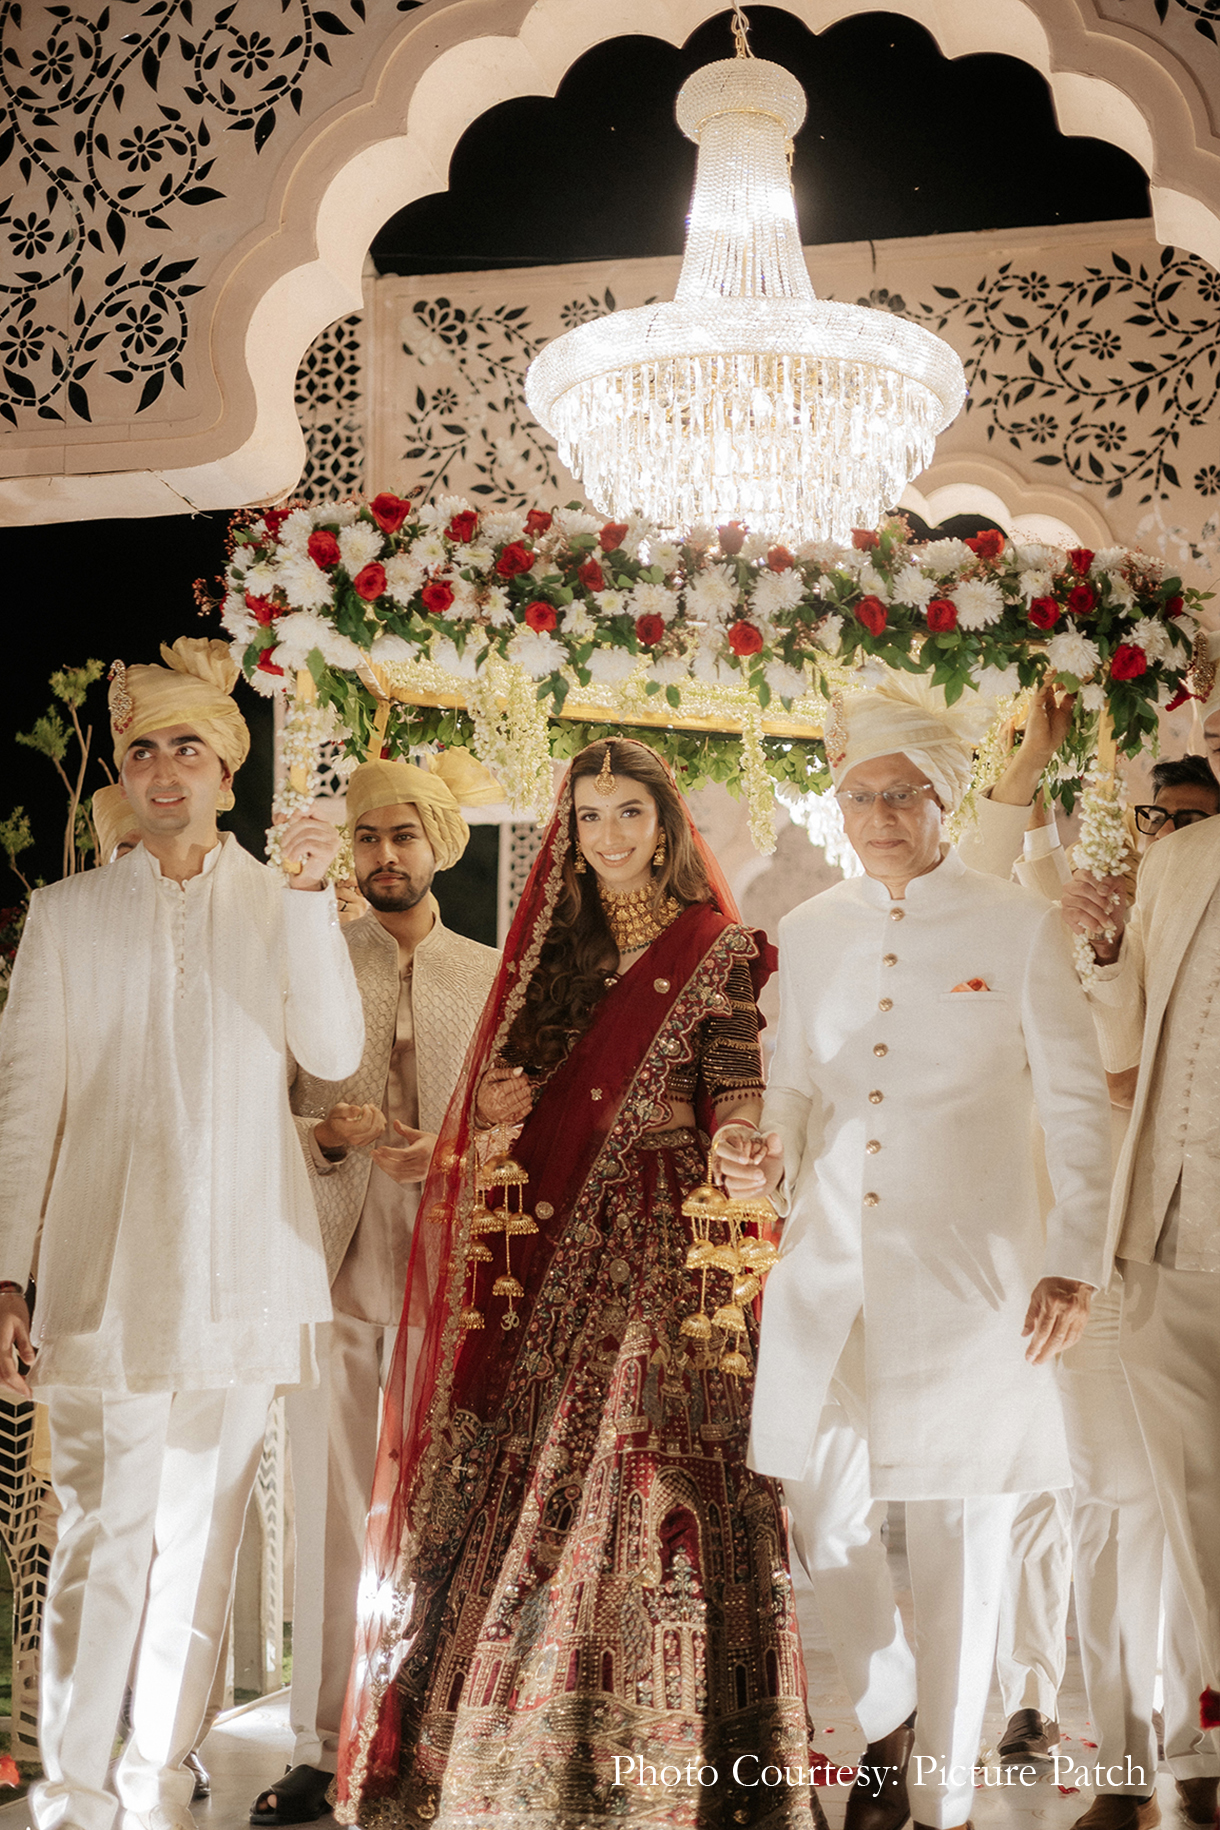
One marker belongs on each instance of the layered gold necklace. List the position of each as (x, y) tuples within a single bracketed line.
[(636, 917)]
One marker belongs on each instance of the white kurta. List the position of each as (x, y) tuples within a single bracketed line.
[(181, 1247), (905, 1110)]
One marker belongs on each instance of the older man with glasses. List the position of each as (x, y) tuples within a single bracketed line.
[(1184, 791), (909, 1326)]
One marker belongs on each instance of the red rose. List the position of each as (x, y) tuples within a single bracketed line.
[(1209, 1708), (1081, 599), (323, 548), (864, 540), (261, 609), (732, 537), (744, 638), (649, 629), (514, 559), (591, 576), (538, 521), (1044, 613), (541, 616), (1129, 662), (612, 536), (265, 665), (462, 527), (274, 519), (872, 613), (437, 596), (1174, 606), (941, 615), (1081, 559), (369, 582), (989, 544), (389, 511), (779, 559), (1179, 698)]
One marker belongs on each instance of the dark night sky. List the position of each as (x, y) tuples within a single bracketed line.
[(898, 141)]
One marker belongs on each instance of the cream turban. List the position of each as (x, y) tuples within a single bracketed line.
[(194, 687), (452, 781), (112, 820), (908, 716)]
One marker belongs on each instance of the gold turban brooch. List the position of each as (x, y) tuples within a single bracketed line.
[(195, 687), (452, 780)]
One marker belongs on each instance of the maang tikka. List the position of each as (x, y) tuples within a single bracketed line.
[(605, 783)]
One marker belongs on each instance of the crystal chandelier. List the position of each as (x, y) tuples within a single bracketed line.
[(747, 398)]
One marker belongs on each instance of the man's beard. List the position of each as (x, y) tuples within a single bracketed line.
[(394, 898)]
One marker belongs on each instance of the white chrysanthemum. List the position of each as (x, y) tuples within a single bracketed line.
[(1073, 653), (571, 521), (638, 530), (654, 600), (1122, 597), (261, 579), (577, 623), (785, 682), (823, 552), (670, 670), (441, 512), (1036, 582), (540, 654), (612, 603), (872, 583), (295, 531), (712, 594), (430, 550), (499, 526), (236, 619), (776, 591), (1109, 559), (706, 665), (304, 584), (359, 545), (392, 648), (1092, 696), (302, 632), (756, 546), (403, 576), (465, 666), (475, 558), (665, 554), (465, 606), (827, 632), (268, 684), (979, 603), (1151, 635), (1035, 556), (943, 556), (335, 514), (498, 606), (914, 587), (996, 682), (610, 666)]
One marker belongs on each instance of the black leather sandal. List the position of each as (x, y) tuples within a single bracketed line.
[(300, 1798)]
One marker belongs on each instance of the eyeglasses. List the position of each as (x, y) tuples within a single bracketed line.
[(1150, 820), (901, 799)]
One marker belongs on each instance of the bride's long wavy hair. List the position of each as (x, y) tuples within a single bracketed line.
[(579, 950)]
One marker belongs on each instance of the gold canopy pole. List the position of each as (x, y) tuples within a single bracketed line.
[(306, 693)]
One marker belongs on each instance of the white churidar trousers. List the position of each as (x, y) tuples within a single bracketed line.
[(957, 1550), (1169, 1344), (1122, 1571), (1031, 1649), (154, 1490), (332, 1434)]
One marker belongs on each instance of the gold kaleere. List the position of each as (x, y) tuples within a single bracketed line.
[(742, 1256), (502, 1172)]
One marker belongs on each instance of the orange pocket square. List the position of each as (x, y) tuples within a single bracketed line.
[(973, 985)]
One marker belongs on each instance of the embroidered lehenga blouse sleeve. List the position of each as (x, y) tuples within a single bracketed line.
[(727, 1057)]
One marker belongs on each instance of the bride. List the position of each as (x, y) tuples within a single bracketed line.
[(576, 1607)]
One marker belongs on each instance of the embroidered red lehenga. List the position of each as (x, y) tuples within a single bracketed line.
[(576, 1608)]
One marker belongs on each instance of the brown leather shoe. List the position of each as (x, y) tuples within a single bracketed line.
[(1029, 1736), (1198, 1799), (885, 1805), (1119, 1811)]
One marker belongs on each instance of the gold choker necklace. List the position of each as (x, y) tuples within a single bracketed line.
[(636, 917)]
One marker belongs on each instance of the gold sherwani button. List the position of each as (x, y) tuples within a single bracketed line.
[(875, 1097), (881, 1048), (595, 1092), (873, 1146), (897, 914), (889, 959), (871, 1200), (660, 985), (885, 1004)]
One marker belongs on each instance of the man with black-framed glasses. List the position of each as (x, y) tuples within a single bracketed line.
[(1184, 792)]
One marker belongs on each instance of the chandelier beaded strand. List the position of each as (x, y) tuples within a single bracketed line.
[(747, 397)]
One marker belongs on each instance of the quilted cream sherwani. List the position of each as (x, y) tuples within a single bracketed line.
[(451, 978), (158, 1019), (905, 1110)]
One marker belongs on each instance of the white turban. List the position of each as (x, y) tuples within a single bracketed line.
[(907, 716)]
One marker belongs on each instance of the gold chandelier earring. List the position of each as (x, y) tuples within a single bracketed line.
[(579, 861), (658, 856)]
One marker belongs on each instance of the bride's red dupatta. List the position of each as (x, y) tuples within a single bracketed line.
[(444, 1382)]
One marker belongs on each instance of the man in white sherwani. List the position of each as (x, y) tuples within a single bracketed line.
[(908, 1328), (1155, 1001), (180, 1267), (368, 1141)]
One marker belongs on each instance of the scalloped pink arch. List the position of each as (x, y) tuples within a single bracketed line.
[(391, 142)]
